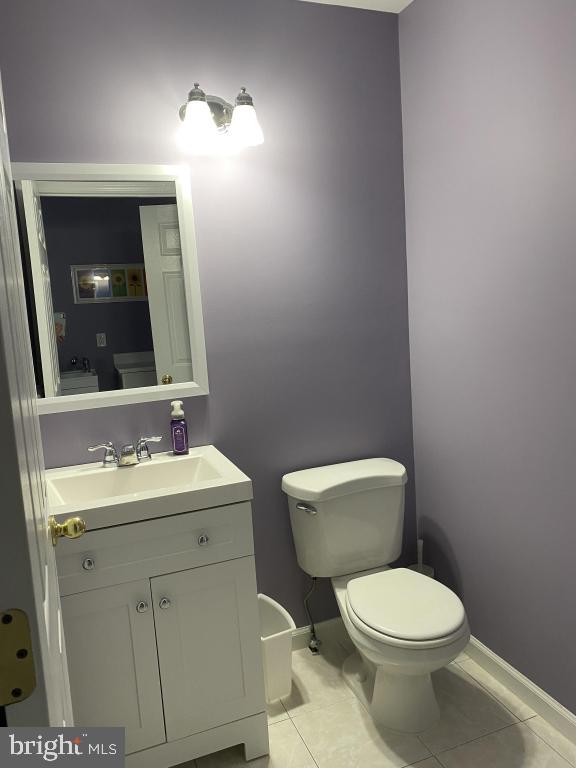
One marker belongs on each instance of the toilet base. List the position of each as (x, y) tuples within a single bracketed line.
[(359, 678), (405, 703)]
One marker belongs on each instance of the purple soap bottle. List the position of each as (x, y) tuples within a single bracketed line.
[(178, 429)]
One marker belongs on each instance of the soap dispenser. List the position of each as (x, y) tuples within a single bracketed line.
[(178, 429)]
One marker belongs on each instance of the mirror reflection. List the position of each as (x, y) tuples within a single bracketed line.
[(106, 289)]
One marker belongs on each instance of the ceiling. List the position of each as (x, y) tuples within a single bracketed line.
[(391, 6)]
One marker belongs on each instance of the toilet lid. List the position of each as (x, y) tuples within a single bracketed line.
[(405, 604)]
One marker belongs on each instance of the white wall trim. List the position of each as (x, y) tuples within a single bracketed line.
[(387, 6), (329, 631), (300, 638), (541, 702), (532, 695)]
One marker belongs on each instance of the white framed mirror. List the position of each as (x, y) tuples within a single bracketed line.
[(112, 283)]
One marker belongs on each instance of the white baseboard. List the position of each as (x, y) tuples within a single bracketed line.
[(300, 638), (326, 631), (540, 701), (532, 695)]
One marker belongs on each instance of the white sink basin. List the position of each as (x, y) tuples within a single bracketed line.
[(164, 485), (82, 485)]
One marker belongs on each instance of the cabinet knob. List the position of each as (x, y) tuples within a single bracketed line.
[(164, 603), (88, 564), (203, 539), (142, 606)]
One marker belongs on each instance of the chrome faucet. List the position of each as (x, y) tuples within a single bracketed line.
[(110, 455), (129, 455)]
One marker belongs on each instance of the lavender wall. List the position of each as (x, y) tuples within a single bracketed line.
[(301, 241), (489, 104)]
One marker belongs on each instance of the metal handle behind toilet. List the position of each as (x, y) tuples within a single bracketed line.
[(308, 508)]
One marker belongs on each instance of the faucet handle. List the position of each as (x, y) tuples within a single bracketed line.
[(143, 449), (110, 455)]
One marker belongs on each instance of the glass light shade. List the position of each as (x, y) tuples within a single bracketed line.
[(245, 129), (198, 132)]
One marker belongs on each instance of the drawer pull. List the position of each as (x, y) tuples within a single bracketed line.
[(142, 606), (203, 539), (88, 564), (164, 603)]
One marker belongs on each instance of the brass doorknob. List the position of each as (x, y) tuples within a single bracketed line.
[(167, 379), (71, 528)]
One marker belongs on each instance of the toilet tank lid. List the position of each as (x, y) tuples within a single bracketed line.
[(335, 480)]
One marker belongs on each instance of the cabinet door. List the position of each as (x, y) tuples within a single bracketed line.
[(113, 663), (207, 629)]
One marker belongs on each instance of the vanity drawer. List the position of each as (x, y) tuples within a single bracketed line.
[(125, 553)]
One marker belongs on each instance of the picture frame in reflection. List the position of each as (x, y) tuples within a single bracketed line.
[(99, 283)]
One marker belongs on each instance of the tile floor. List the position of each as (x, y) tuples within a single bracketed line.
[(322, 725)]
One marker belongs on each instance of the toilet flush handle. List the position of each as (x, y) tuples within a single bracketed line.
[(306, 508)]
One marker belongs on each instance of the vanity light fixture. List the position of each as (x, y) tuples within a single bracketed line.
[(245, 128), (211, 125), (198, 128)]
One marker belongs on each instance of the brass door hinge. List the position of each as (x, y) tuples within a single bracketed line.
[(17, 673)]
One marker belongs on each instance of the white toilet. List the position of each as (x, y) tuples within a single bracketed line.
[(347, 522)]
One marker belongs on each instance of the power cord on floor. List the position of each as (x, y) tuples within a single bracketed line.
[(314, 644)]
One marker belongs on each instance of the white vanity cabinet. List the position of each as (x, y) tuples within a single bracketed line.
[(113, 663), (210, 664), (162, 634)]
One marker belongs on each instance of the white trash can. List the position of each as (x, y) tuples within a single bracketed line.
[(276, 627)]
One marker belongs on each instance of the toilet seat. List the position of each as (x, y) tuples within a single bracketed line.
[(404, 608)]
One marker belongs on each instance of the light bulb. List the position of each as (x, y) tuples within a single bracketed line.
[(198, 132), (245, 129)]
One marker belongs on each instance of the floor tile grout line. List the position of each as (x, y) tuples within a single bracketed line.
[(441, 763), (305, 744), (521, 720), (349, 697), (408, 765), (425, 746), (431, 752), (299, 736), (437, 756), (553, 748), (422, 761), (492, 695), (280, 720), (477, 738)]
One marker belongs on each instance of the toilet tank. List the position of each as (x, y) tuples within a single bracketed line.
[(347, 517)]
